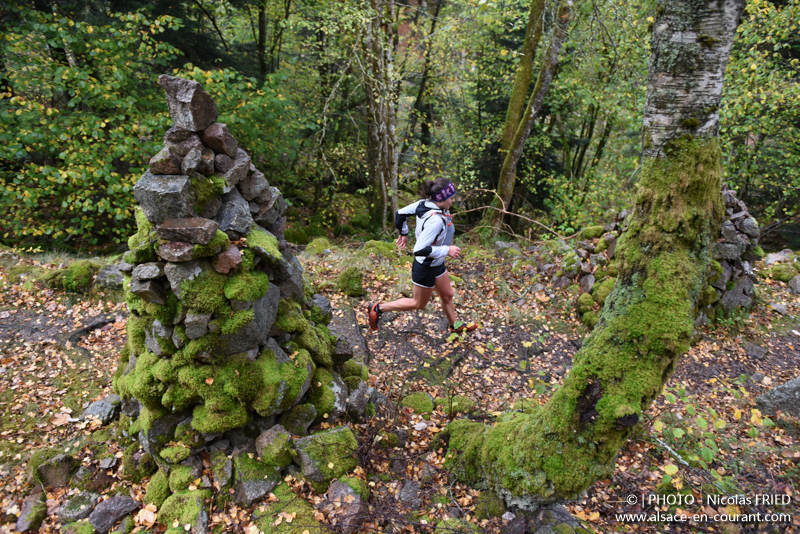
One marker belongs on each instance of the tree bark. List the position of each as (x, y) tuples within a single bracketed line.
[(508, 173), (557, 451)]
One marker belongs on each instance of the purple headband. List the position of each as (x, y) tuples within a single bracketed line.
[(446, 192)]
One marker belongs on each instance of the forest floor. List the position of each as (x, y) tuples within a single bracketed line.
[(703, 436)]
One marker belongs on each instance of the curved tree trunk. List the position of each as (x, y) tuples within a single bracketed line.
[(556, 453)]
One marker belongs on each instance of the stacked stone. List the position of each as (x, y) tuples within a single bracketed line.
[(226, 343), (730, 286)]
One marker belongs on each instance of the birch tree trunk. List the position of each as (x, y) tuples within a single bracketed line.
[(508, 172), (556, 452)]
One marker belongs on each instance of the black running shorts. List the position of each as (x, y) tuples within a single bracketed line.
[(426, 276)]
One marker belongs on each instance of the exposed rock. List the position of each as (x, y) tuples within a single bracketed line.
[(501, 248), (785, 398), (110, 277), (777, 257), (149, 290), (227, 260), (108, 512), (183, 148), (256, 188), (190, 107), (241, 165), (740, 296), (587, 282), (794, 285), (222, 163), (219, 138), (191, 162), (177, 134), (78, 507), (234, 216), (727, 251), (780, 308), (57, 472), (298, 419), (177, 251), (326, 455), (221, 466), (32, 513), (206, 166), (105, 409), (410, 494), (357, 401), (722, 280), (353, 508), (191, 229), (754, 351), (148, 271), (253, 479), (161, 431), (324, 305), (164, 197), (275, 447), (750, 227), (165, 162)]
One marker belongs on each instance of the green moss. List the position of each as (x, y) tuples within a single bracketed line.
[(137, 472), (184, 506), (318, 245), (600, 246), (378, 247), (79, 275), (264, 244), (386, 440), (420, 402), (591, 232), (353, 368), (175, 454), (357, 485), (601, 291), (247, 287), (294, 419), (590, 319), (321, 395), (456, 404), (157, 488), (79, 527), (759, 252), (204, 293), (332, 452), (236, 322), (780, 271), (489, 505), (288, 502), (296, 235), (217, 244), (141, 244), (691, 123), (585, 303), (453, 525), (280, 452), (248, 260), (206, 189), (180, 476), (350, 282)]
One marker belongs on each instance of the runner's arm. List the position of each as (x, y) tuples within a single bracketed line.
[(401, 215)]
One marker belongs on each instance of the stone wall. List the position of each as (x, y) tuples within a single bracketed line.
[(228, 351)]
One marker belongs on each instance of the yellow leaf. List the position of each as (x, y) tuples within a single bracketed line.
[(527, 344), (89, 29), (330, 465), (658, 426), (737, 414), (671, 469), (480, 350), (594, 516)]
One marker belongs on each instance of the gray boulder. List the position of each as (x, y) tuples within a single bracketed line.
[(190, 107), (149, 290), (167, 161), (298, 419), (756, 352), (164, 197), (160, 433), (777, 257), (750, 227), (109, 277), (197, 324), (191, 229), (410, 494), (191, 162), (148, 271), (57, 472), (240, 168), (739, 296), (727, 251), (253, 479), (587, 283), (32, 513), (234, 215), (177, 273), (108, 512), (357, 401), (255, 187), (785, 398), (325, 305), (219, 138), (78, 507), (794, 285), (353, 508), (105, 409), (253, 333)]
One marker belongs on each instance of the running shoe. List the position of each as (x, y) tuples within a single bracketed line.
[(373, 316), (466, 327)]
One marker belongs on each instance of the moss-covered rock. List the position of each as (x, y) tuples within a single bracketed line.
[(326, 455), (187, 507), (456, 404), (782, 272), (298, 419), (585, 303), (157, 488), (328, 394), (358, 485), (488, 505), (137, 465), (602, 290), (317, 246), (350, 282), (590, 319), (303, 513), (296, 235), (591, 232), (378, 247), (419, 401)]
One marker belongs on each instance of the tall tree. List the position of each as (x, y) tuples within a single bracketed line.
[(557, 451), (521, 124)]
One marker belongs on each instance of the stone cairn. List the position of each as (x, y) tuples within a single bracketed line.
[(730, 285), (228, 352)]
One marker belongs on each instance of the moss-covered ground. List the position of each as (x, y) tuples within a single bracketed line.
[(517, 359)]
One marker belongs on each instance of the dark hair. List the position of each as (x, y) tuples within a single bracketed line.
[(431, 187)]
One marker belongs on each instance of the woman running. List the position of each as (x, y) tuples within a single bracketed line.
[(434, 235)]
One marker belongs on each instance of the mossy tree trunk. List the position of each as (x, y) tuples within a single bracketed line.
[(521, 129), (556, 452)]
